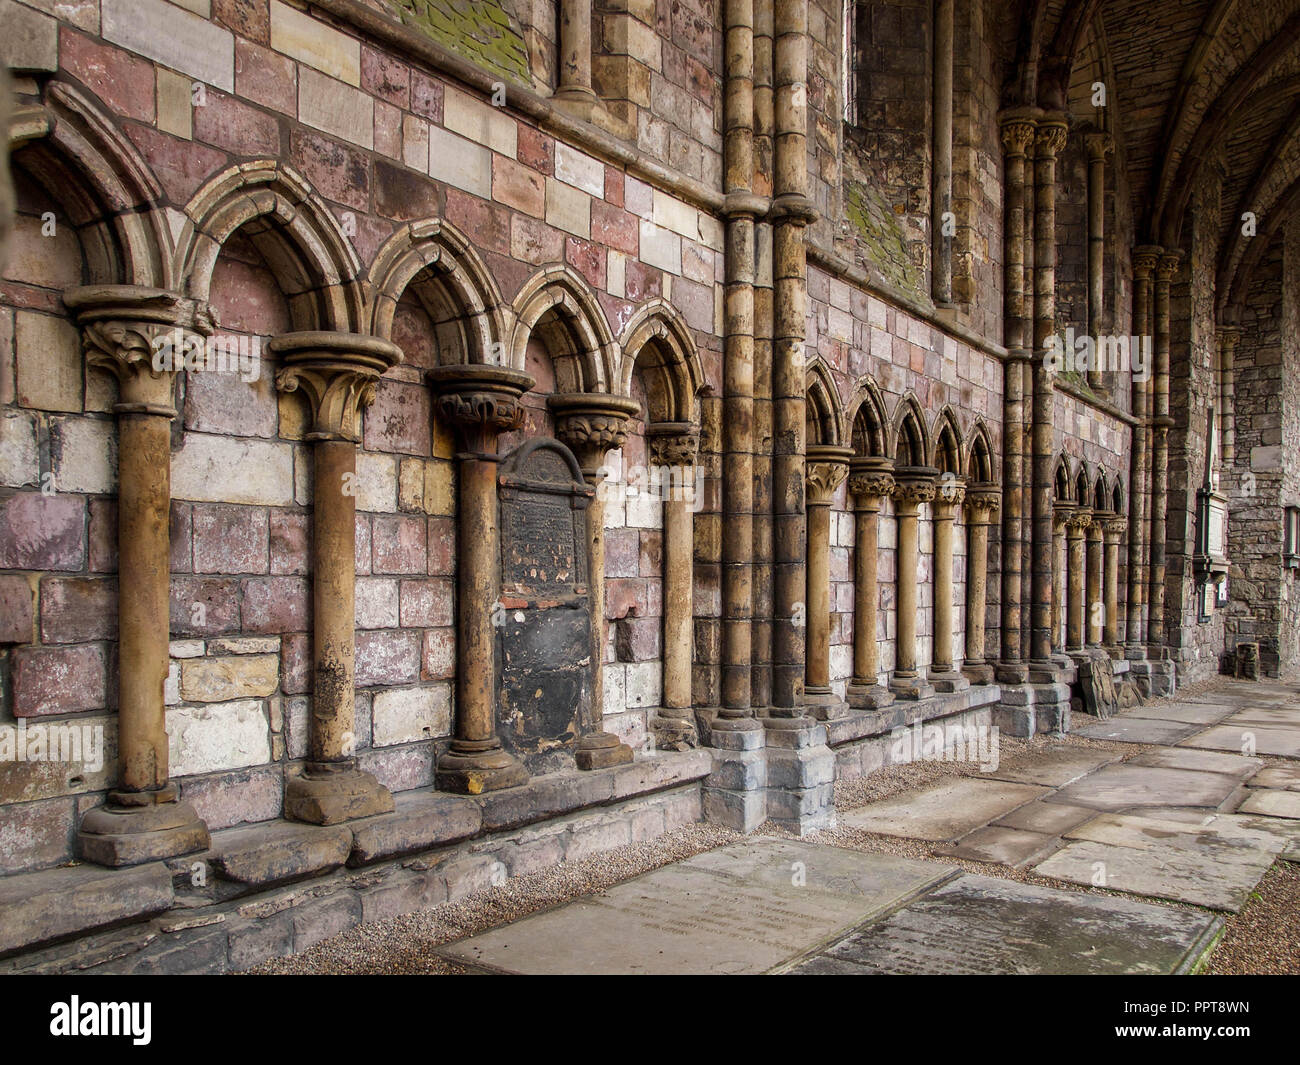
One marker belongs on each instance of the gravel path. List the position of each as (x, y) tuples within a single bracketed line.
[(1264, 938)]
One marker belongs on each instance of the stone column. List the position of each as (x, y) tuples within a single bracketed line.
[(1098, 145), (1094, 607), (870, 481), (981, 502), (574, 92), (915, 485), (791, 212), (337, 374), (828, 465), (593, 424), (1161, 423), (948, 498), (139, 335), (1017, 135), (1078, 525), (941, 171), (1061, 515), (673, 446), (1229, 337), (1144, 263), (481, 401), (1048, 141), (1114, 530)]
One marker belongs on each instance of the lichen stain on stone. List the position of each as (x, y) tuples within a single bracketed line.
[(481, 33), (877, 223)]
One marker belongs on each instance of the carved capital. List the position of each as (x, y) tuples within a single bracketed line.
[(673, 443), (592, 423), (1168, 265), (1116, 527), (1145, 259), (1061, 514), (1078, 521), (1017, 128), (825, 470), (982, 502), (870, 481), (1050, 136), (1229, 337), (338, 373), (1099, 146), (914, 485), (480, 399)]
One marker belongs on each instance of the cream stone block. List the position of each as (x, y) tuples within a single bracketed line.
[(644, 683), (175, 104), (672, 213), (244, 645), (568, 208), (19, 462), (614, 685), (336, 108), (84, 455), (460, 162), (661, 247), (217, 680), (310, 41), (580, 170), (376, 603), (219, 469), (404, 715), (215, 736), (376, 483), (415, 143), (480, 122), (49, 362), (172, 36)]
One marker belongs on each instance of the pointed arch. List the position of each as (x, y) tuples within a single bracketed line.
[(1063, 483), (314, 263), (75, 151), (869, 424), (1083, 485), (947, 454), (824, 413), (658, 340), (980, 465), (1119, 497), (1101, 493), (909, 440), (435, 260), (559, 307)]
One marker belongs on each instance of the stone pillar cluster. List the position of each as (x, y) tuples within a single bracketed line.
[(828, 465), (914, 485)]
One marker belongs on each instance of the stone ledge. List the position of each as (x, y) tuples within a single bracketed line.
[(54, 904), (420, 821), (261, 856), (872, 724)]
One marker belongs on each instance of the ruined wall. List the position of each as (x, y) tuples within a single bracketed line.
[(1289, 641)]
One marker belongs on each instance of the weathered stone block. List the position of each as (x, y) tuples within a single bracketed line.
[(405, 715), (76, 609), (203, 739), (214, 680), (59, 680)]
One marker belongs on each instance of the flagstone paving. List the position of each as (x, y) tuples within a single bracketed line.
[(1239, 737), (1054, 766), (942, 812), (1138, 730), (1124, 786)]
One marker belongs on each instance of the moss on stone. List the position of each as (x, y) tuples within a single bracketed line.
[(480, 32), (877, 227)]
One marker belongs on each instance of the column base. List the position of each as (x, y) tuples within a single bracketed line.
[(948, 681), (474, 771), (823, 704), (329, 793), (579, 103), (744, 723), (600, 750), (673, 733), (978, 672), (868, 696), (1116, 651), (1026, 710), (1011, 673), (132, 828), (910, 687)]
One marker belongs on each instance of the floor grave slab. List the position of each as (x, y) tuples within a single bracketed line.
[(1202, 761), (1188, 713), (1237, 737), (1137, 730), (1122, 787), (1278, 829), (1285, 777), (1049, 818), (978, 925), (942, 812), (746, 908), (1158, 872), (1000, 845), (1278, 717), (1270, 803), (1053, 767), (1232, 844)]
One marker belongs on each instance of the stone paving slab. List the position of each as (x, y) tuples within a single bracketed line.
[(1122, 787), (1002, 846), (1189, 713), (1225, 843), (1276, 829), (1279, 717), (981, 925), (1128, 729), (1053, 767), (735, 910), (1286, 777), (1158, 872), (1204, 761), (1048, 818), (1272, 803), (942, 812), (1233, 736)]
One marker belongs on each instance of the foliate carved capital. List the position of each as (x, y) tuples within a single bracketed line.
[(1168, 265), (338, 373), (1017, 127), (825, 470), (673, 443), (871, 487), (592, 423), (1061, 514), (1050, 137), (480, 399), (914, 485), (1116, 527), (1145, 259), (949, 492), (1078, 521), (981, 504), (1229, 337), (1099, 145)]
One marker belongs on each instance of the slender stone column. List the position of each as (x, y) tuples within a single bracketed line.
[(828, 465), (574, 92), (592, 424), (481, 401), (1017, 135), (1114, 529), (791, 212), (941, 171), (1229, 337), (1098, 145), (1094, 607), (673, 447), (1160, 425), (981, 502), (1144, 263), (870, 481), (915, 485), (135, 334), (1078, 525), (1048, 141), (948, 498), (1061, 515), (337, 374)]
